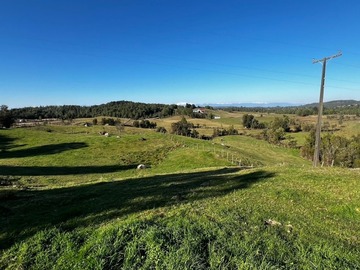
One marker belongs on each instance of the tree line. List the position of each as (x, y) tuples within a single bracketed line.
[(137, 110), (299, 110), (121, 109)]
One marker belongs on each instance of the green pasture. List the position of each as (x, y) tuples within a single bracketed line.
[(73, 199)]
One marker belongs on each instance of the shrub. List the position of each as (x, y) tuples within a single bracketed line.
[(161, 130)]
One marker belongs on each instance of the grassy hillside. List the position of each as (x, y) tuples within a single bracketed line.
[(72, 199)]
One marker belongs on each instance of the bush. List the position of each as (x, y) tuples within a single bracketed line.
[(249, 121), (283, 123), (161, 130), (109, 121), (274, 136), (307, 127), (184, 128), (224, 132), (335, 150), (144, 124)]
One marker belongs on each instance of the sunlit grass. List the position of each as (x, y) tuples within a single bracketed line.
[(76, 201)]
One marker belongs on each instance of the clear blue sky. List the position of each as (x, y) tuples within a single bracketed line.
[(169, 51)]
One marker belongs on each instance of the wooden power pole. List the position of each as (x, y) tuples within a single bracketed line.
[(320, 108)]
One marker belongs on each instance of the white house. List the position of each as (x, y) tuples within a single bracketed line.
[(199, 110)]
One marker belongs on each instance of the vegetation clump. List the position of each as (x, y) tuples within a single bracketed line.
[(6, 117), (224, 132), (144, 124), (184, 128), (249, 121), (334, 150)]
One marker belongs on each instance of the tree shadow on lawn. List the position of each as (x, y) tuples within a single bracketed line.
[(6, 143), (50, 149), (60, 170), (68, 208)]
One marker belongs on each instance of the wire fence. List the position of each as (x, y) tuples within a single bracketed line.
[(219, 150)]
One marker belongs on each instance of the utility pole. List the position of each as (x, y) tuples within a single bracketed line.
[(320, 108)]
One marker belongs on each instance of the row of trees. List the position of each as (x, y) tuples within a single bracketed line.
[(284, 122), (137, 110), (300, 111), (121, 109)]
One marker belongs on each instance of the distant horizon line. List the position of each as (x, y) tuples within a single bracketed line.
[(221, 104)]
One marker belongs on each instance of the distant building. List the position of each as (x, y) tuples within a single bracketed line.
[(199, 110)]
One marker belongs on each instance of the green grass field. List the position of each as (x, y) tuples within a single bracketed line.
[(72, 199)]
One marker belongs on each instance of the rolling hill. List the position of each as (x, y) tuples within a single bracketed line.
[(72, 199)]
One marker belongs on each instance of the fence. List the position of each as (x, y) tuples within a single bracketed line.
[(220, 150)]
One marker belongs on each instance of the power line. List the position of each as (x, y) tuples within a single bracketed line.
[(182, 59), (209, 70), (347, 65)]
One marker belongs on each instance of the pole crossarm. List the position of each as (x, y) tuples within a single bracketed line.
[(327, 58)]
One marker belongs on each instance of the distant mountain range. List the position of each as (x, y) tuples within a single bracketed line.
[(328, 104), (250, 105)]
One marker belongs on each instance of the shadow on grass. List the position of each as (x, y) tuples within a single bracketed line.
[(40, 150), (26, 212), (60, 170), (6, 143)]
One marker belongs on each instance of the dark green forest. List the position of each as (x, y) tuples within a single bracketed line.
[(124, 109)]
